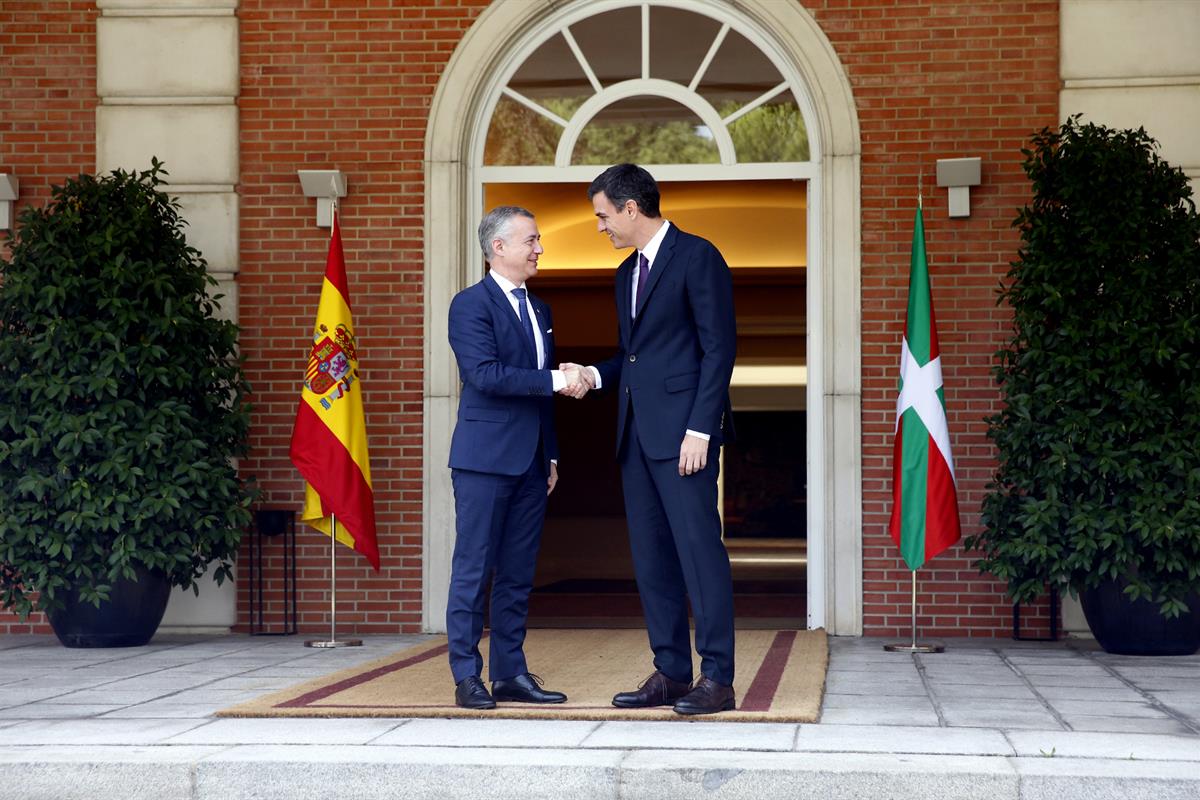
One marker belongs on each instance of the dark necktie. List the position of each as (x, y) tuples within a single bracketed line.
[(643, 276), (526, 323)]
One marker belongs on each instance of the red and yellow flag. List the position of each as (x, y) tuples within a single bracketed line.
[(329, 439)]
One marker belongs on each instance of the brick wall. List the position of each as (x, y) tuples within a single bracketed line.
[(937, 80), (347, 86), (352, 88), (47, 114)]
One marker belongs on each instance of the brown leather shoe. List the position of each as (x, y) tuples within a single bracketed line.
[(657, 690), (708, 697)]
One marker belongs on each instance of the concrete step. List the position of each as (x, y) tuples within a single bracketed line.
[(375, 772)]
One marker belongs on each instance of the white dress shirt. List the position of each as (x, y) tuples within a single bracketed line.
[(557, 377)]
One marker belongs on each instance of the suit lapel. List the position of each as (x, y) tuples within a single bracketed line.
[(662, 261), (541, 321), (624, 295), (497, 295)]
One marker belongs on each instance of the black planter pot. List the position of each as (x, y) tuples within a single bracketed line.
[(1135, 627), (129, 618)]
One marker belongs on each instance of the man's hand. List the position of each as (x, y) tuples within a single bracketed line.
[(693, 455), (579, 380), (553, 479)]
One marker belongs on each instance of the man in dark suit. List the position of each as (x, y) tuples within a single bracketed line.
[(677, 340), (502, 459)]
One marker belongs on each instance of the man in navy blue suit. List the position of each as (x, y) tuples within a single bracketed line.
[(502, 459), (677, 341)]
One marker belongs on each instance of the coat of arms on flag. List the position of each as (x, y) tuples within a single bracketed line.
[(329, 439)]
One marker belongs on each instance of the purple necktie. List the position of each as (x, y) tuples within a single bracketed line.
[(643, 275)]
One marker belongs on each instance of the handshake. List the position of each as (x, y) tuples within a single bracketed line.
[(579, 380)]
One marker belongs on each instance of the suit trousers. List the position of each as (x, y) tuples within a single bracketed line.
[(499, 527), (675, 536)]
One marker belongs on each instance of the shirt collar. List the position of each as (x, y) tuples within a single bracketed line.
[(504, 283), (650, 251)]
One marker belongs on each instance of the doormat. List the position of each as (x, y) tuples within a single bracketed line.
[(780, 678)]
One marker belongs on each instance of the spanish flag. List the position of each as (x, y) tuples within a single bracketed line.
[(329, 439)]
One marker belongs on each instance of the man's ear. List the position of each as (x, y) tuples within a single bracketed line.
[(631, 207)]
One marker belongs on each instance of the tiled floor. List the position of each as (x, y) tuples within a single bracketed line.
[(1012, 685)]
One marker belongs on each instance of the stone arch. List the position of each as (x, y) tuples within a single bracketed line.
[(457, 113)]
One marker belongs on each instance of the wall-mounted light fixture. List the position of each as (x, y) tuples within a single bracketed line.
[(325, 185), (958, 174), (8, 195)]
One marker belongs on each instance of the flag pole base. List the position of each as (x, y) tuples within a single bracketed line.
[(909, 647), (334, 643)]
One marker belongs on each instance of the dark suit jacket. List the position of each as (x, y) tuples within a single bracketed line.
[(676, 357), (507, 406)]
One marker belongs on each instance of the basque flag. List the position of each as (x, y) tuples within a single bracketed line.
[(924, 501), (329, 439)]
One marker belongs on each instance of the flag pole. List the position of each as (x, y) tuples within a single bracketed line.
[(333, 641), (914, 647)]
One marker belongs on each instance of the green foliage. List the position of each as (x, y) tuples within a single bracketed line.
[(124, 398), (1099, 439), (518, 135)]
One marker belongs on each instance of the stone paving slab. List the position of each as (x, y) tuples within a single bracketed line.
[(833, 738), (960, 691), (47, 710), (1055, 693), (1076, 744), (166, 709), (284, 731), (879, 716), (1112, 708), (1124, 725), (488, 733), (684, 736), (844, 684), (94, 731)]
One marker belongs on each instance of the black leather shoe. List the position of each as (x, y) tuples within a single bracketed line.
[(525, 688), (708, 697), (471, 693), (657, 690)]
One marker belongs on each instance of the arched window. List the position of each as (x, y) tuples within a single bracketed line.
[(649, 82)]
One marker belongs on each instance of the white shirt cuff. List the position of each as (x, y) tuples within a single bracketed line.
[(706, 437), (558, 379), (596, 375)]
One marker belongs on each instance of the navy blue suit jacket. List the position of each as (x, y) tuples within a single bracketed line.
[(507, 405), (675, 357)]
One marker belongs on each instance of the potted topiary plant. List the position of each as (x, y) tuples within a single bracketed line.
[(1098, 486), (125, 403)]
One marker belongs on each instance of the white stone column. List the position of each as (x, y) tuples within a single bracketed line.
[(167, 80), (1130, 64)]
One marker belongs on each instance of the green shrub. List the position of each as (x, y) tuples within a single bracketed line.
[(124, 398), (1099, 437)]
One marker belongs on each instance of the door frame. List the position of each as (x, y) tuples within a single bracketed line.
[(457, 123)]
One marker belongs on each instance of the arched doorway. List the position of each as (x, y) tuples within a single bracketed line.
[(510, 116)]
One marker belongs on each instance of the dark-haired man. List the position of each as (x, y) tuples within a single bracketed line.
[(677, 339)]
